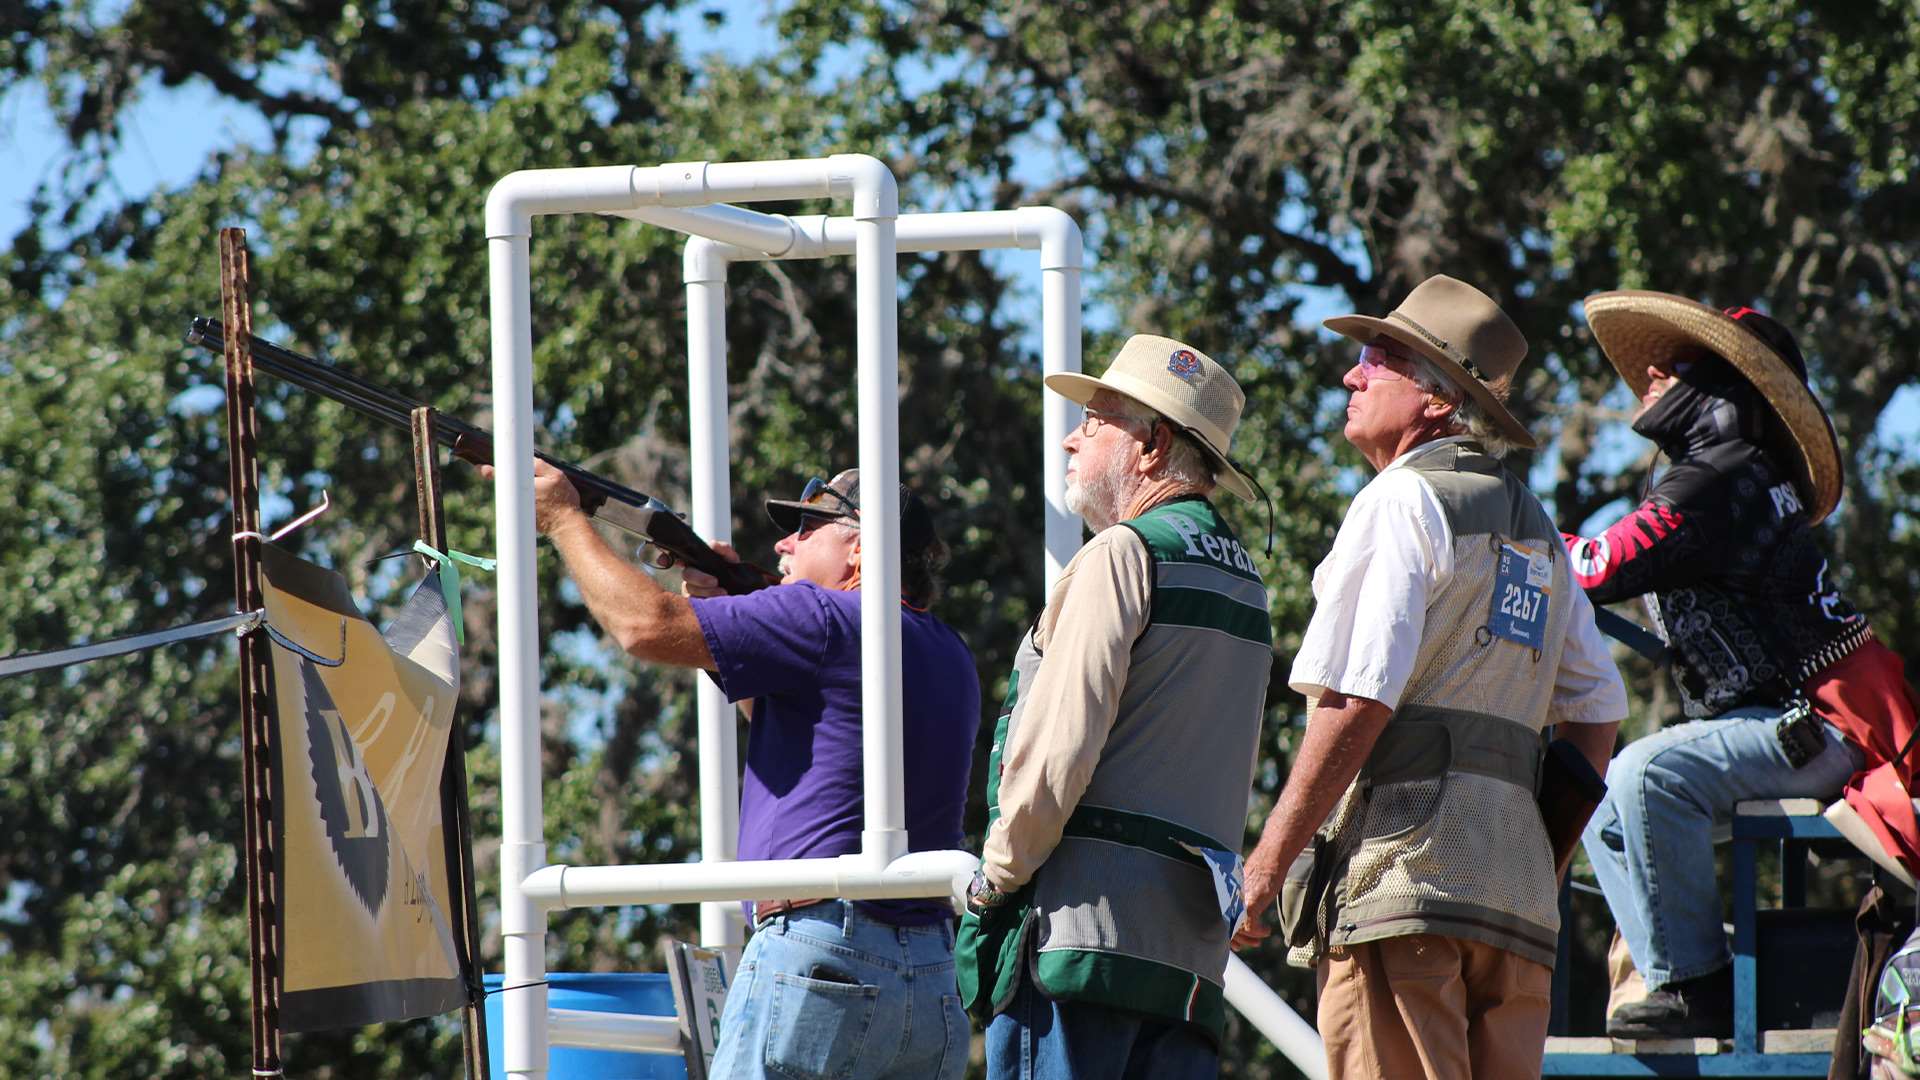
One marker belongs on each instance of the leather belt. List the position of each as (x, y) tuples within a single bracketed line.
[(767, 909)]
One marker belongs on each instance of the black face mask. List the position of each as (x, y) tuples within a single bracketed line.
[(1711, 404)]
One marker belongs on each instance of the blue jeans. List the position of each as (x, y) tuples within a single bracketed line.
[(1651, 840), (827, 993), (1038, 1038)]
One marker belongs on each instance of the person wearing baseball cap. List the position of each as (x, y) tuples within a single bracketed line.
[(1095, 937), (793, 651), (1410, 860), (1787, 692)]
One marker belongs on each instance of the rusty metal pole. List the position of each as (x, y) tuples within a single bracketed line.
[(458, 829), (256, 675)]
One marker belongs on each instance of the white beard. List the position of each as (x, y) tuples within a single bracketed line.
[(1098, 503)]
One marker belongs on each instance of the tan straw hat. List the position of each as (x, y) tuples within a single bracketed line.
[(1464, 333), (1180, 383), (1636, 328)]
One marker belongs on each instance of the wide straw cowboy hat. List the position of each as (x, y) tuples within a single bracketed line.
[(1464, 334), (1636, 328), (1180, 383)]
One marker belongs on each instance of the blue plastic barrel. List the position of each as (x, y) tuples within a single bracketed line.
[(642, 993)]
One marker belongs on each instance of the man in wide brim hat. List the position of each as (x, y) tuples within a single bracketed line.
[(1464, 335), (1412, 864), (1645, 332), (1095, 935), (1723, 546), (1184, 386)]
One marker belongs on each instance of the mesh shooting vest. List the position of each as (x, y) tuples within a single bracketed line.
[(1439, 833), (1124, 913)]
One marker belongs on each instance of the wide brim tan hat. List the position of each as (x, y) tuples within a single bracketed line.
[(1464, 334), (1637, 328), (1180, 383)]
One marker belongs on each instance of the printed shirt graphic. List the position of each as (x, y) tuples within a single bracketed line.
[(362, 722)]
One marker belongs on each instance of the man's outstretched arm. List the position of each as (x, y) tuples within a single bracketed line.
[(646, 620)]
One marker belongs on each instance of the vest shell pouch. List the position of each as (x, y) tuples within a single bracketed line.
[(1302, 891)]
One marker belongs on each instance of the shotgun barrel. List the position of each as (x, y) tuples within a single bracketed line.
[(603, 499)]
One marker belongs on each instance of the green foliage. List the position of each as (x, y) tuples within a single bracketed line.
[(1241, 170)]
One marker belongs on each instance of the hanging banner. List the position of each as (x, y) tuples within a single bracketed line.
[(360, 743)]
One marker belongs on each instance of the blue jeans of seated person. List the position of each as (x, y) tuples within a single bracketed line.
[(1651, 839), (1038, 1038), (826, 992)]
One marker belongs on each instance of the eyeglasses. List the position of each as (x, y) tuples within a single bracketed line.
[(1376, 361), (818, 492), (810, 522), (1096, 417)]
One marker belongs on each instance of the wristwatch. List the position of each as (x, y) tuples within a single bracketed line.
[(981, 895)]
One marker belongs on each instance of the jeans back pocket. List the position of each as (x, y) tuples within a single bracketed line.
[(817, 1028)]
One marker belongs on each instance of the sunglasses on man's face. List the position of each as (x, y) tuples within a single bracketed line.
[(810, 522), (1376, 363), (820, 493)]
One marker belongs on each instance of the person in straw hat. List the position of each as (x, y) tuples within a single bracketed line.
[(1410, 859), (1094, 942), (1723, 548)]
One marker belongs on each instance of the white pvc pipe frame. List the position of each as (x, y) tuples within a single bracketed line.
[(721, 235)]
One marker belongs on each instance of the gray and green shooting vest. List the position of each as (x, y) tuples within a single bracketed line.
[(1440, 832), (1126, 911)]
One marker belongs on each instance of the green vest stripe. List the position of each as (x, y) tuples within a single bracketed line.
[(1158, 835), (1133, 985), (1207, 611)]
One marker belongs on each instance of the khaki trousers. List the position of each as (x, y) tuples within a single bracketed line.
[(1436, 1007)]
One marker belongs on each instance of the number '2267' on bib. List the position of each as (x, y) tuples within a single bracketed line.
[(1522, 588)]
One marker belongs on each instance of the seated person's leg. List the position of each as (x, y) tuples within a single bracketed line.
[(1651, 840)]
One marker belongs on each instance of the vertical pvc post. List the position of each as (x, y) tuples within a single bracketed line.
[(876, 292), (1059, 351), (705, 273), (523, 926)]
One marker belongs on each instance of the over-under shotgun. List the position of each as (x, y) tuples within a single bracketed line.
[(603, 499)]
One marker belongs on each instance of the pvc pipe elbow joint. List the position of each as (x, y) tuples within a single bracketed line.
[(516, 198), (868, 182), (1057, 233)]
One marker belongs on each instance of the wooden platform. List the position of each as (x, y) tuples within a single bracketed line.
[(1810, 1041), (1783, 1053)]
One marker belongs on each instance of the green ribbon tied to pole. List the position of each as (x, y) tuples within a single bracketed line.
[(449, 567)]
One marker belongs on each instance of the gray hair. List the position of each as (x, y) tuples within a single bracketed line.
[(1468, 418), (1186, 462)]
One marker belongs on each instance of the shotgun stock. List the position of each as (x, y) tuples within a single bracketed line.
[(604, 500)]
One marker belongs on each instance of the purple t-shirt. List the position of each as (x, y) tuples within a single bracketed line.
[(796, 649)]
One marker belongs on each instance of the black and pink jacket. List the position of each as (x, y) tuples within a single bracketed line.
[(1721, 550)]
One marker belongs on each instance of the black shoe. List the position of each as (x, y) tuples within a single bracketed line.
[(1691, 1008)]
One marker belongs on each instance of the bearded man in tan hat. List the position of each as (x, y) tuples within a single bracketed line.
[(1793, 694), (1407, 849), (1095, 938)]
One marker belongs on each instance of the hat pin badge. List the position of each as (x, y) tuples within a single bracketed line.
[(1184, 364)]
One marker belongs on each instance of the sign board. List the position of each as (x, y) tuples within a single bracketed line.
[(700, 978)]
